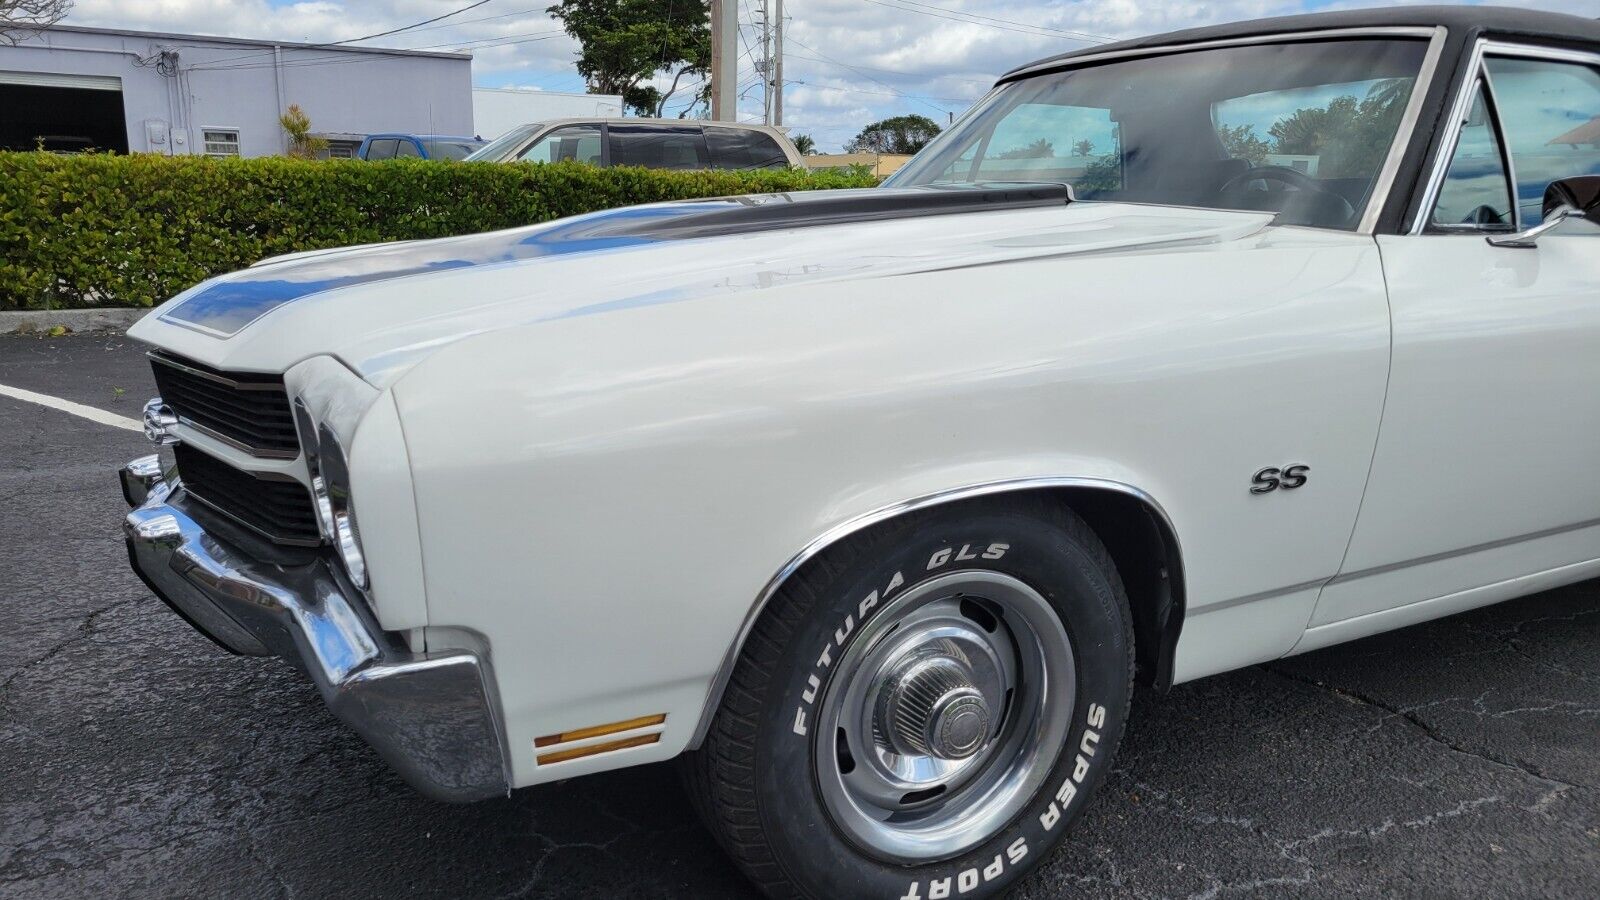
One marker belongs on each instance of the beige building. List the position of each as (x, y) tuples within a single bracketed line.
[(881, 164)]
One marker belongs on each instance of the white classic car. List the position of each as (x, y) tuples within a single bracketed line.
[(1171, 357)]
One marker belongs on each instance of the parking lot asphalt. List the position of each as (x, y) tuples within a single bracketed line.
[(1457, 758)]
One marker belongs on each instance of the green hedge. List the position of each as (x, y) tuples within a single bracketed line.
[(102, 230)]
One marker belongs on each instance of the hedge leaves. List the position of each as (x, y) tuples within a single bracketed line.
[(103, 230)]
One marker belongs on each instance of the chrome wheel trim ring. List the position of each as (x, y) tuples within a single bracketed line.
[(1003, 658)]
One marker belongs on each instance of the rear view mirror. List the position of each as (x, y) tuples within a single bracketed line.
[(1580, 194), (1577, 197)]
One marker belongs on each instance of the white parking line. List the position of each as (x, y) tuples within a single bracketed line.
[(77, 409)]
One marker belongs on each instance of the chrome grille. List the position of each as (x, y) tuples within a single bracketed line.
[(274, 506), (248, 410)]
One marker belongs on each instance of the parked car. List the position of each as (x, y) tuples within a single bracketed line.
[(653, 143), (873, 505), (426, 146)]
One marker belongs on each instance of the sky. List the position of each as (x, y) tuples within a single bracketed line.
[(847, 62)]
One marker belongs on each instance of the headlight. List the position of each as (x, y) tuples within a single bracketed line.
[(334, 476), (330, 490)]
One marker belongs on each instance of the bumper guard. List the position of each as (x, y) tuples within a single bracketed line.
[(430, 716)]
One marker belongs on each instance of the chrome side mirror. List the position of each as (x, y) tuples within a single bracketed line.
[(1568, 198)]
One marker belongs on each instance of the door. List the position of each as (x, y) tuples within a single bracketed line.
[(744, 148), (1482, 486), (571, 143), (657, 146)]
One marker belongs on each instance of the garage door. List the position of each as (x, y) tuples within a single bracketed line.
[(64, 113), (48, 79)]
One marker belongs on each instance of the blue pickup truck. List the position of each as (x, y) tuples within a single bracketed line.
[(427, 146)]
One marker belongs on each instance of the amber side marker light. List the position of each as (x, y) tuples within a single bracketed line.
[(640, 740)]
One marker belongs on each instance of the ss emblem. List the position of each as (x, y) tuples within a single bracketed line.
[(1271, 478)]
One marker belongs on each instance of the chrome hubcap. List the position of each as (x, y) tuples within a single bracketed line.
[(944, 716), (929, 706)]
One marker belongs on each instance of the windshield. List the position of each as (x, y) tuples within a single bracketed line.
[(1297, 129), (505, 144), (443, 149)]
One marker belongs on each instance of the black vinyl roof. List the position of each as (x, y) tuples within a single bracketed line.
[(1495, 20)]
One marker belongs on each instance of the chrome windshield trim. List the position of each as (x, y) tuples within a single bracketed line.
[(851, 526), (1390, 171), (1416, 31)]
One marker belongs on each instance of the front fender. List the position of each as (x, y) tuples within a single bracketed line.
[(606, 498)]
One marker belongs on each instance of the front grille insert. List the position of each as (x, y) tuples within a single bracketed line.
[(247, 410), (274, 506)]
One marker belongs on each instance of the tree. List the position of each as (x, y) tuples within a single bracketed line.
[(302, 143), (626, 43), (1084, 147), (805, 144), (901, 134), (1040, 149), (1241, 142), (1350, 137), (20, 18)]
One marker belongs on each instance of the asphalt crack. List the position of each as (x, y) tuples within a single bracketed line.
[(85, 630), (1410, 716)]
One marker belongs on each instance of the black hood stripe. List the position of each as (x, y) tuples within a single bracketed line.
[(226, 306)]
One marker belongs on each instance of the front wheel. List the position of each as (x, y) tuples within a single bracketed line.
[(923, 709)]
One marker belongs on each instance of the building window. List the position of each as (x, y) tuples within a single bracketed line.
[(221, 141)]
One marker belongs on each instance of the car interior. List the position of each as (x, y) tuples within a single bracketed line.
[(1297, 129)]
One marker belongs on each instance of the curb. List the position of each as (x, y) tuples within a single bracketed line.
[(39, 321)]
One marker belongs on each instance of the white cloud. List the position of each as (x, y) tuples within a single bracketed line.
[(848, 61)]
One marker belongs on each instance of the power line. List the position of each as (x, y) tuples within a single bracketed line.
[(521, 12), (368, 37), (340, 58), (414, 25)]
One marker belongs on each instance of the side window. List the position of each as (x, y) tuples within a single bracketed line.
[(406, 147), (658, 147), (1054, 142), (1550, 112), (382, 149), (1476, 192), (739, 148), (579, 143), (1324, 144)]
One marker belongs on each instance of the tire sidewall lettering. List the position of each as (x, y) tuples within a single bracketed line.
[(1056, 810), (845, 608), (873, 601)]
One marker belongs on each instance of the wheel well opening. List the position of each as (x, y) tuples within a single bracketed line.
[(1145, 552)]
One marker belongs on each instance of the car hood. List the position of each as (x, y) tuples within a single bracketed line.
[(380, 308)]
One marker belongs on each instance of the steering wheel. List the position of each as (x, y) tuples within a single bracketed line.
[(1307, 202), (1282, 174)]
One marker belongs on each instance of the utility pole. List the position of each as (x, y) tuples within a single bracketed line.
[(777, 62), (725, 60), (764, 64)]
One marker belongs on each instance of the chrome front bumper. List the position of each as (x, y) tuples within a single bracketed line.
[(430, 716)]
